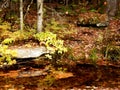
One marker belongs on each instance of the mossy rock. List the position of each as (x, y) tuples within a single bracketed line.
[(91, 18)]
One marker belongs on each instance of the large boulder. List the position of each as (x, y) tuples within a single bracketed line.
[(31, 52)]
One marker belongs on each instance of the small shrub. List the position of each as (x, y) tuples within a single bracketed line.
[(110, 47), (16, 36), (51, 42), (54, 46), (53, 26), (6, 56), (48, 81), (112, 53), (8, 41), (5, 26)]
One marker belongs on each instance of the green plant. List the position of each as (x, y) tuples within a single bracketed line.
[(54, 46), (5, 26), (93, 55), (112, 53), (53, 26), (8, 41), (93, 10), (61, 29), (110, 48), (0, 20), (62, 69), (83, 9), (51, 42), (22, 35), (16, 36), (6, 55), (48, 80)]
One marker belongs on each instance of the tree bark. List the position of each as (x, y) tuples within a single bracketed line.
[(39, 15), (112, 7), (21, 14)]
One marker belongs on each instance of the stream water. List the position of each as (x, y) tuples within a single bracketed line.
[(85, 77)]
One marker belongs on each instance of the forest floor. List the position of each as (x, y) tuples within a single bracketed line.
[(80, 69)]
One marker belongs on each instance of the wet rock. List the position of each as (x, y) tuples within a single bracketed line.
[(102, 24), (31, 73)]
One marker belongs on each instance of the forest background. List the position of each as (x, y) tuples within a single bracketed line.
[(74, 22)]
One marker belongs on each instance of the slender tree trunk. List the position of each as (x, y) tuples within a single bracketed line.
[(39, 15), (112, 8), (21, 14)]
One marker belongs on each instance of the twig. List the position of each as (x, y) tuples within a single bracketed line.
[(5, 4), (28, 8)]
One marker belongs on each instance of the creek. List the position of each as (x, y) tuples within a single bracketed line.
[(28, 76)]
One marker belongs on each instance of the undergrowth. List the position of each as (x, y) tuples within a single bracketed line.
[(93, 55), (111, 49), (48, 39), (54, 45), (60, 28), (6, 55), (17, 36)]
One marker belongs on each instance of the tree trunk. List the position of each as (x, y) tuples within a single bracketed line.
[(21, 14), (39, 15), (112, 8)]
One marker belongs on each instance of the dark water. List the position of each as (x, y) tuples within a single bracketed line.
[(85, 76)]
